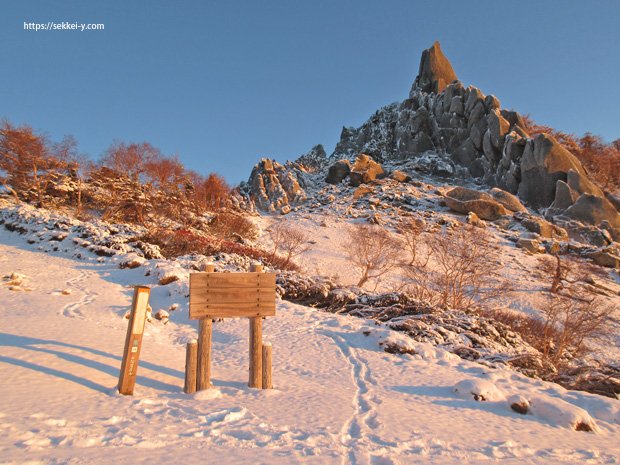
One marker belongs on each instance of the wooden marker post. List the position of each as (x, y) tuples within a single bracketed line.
[(133, 341), (205, 332), (267, 357), (191, 356), (256, 344)]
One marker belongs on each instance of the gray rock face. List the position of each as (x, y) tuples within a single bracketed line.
[(338, 171), (498, 128), (273, 186), (435, 71), (545, 162), (314, 160)]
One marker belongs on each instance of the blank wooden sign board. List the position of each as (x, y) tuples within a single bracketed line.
[(133, 340), (231, 295)]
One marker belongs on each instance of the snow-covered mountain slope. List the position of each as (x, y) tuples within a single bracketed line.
[(338, 397)]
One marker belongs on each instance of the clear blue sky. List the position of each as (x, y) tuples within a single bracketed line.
[(224, 83)]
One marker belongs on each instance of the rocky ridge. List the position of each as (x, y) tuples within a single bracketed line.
[(453, 132)]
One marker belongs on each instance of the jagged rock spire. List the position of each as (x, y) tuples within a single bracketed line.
[(435, 71)]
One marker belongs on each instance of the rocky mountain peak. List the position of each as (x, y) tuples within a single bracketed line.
[(435, 71), (446, 129)]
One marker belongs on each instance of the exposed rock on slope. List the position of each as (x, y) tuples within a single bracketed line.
[(273, 186)]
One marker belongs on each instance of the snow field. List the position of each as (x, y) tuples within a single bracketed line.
[(338, 397)]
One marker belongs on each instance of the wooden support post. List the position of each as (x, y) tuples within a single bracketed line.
[(205, 331), (267, 358), (191, 358), (256, 344), (204, 354), (133, 340)]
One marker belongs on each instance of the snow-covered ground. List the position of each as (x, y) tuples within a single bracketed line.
[(338, 397)]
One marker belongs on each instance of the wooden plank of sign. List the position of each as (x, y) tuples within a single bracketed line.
[(231, 311), (222, 280), (233, 295), (133, 340)]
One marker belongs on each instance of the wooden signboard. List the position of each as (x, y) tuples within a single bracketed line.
[(232, 295), (133, 340), (229, 295)]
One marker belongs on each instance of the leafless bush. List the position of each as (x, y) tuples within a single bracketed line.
[(457, 271), (410, 230), (568, 322), (561, 331), (372, 250), (288, 241), (227, 225), (557, 270)]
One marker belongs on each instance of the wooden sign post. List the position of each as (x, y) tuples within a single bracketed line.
[(133, 341), (231, 295)]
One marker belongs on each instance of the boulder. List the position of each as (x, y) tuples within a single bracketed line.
[(581, 184), (604, 257), (544, 228), (466, 153), (463, 200), (338, 171), (400, 176), (364, 170), (564, 196), (435, 71), (531, 245), (422, 143), (476, 134), (592, 210), (511, 202), (614, 199), (456, 106), (498, 128), (544, 162), (491, 102), (491, 153), (361, 191), (474, 220), (475, 96)]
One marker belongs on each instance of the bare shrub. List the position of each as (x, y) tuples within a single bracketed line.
[(410, 230), (372, 250), (457, 271), (227, 225), (288, 241), (557, 270), (174, 243), (560, 333), (568, 322)]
